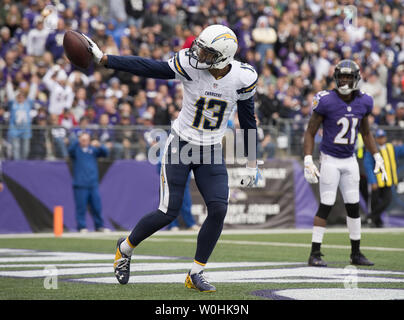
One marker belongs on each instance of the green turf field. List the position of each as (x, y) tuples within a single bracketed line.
[(262, 264)]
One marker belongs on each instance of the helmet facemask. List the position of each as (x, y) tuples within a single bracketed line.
[(347, 78), (214, 48), (345, 83), (203, 57)]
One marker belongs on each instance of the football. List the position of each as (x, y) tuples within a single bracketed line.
[(76, 49)]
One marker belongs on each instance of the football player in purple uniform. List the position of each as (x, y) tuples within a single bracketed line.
[(343, 112)]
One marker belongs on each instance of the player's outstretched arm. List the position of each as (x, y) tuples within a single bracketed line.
[(148, 68), (139, 66)]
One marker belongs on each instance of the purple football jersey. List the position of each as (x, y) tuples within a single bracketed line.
[(341, 121)]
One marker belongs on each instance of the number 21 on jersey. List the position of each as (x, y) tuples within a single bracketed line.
[(347, 124)]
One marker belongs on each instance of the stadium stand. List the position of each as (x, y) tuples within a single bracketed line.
[(294, 46)]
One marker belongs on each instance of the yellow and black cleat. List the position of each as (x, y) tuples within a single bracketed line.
[(197, 281), (121, 264)]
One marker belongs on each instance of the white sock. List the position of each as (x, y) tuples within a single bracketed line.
[(318, 233), (197, 267), (126, 247), (354, 227)]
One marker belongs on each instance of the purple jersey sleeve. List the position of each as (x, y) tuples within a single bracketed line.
[(368, 101), (319, 105)]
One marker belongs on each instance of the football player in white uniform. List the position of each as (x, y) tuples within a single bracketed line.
[(214, 83), (343, 112)]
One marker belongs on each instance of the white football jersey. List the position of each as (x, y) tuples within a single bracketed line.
[(208, 103)]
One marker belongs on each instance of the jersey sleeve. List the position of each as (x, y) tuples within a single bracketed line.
[(319, 102), (369, 104), (248, 82), (179, 63), (246, 117), (140, 66)]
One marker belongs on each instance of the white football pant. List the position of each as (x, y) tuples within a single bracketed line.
[(342, 172)]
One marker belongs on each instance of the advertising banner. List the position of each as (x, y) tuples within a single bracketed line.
[(130, 189), (268, 205)]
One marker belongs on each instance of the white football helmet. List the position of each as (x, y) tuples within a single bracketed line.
[(214, 48)]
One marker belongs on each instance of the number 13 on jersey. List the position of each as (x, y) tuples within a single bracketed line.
[(217, 108)]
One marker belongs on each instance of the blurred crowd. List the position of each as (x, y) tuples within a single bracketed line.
[(294, 46)]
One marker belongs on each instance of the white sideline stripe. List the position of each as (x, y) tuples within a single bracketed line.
[(14, 255), (89, 265), (341, 294), (138, 267), (57, 265), (116, 234), (289, 275), (281, 244)]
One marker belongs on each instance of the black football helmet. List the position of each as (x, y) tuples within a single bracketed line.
[(347, 76)]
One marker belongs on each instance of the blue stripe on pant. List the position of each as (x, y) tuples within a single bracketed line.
[(88, 196)]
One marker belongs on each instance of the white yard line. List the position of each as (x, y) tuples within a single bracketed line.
[(114, 234), (279, 244)]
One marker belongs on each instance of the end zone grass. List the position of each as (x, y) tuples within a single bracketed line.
[(385, 247)]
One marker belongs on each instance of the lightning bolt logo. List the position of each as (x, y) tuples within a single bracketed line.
[(225, 36)]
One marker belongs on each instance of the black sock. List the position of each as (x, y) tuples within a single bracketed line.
[(355, 246), (315, 247)]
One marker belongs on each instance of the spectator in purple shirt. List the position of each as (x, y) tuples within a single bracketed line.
[(6, 41), (54, 42)]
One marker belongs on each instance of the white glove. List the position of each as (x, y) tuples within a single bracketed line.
[(252, 176), (311, 173), (55, 68), (94, 50), (379, 165)]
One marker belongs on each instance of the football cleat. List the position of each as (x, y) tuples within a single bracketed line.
[(359, 259), (121, 264), (197, 281), (315, 259)]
